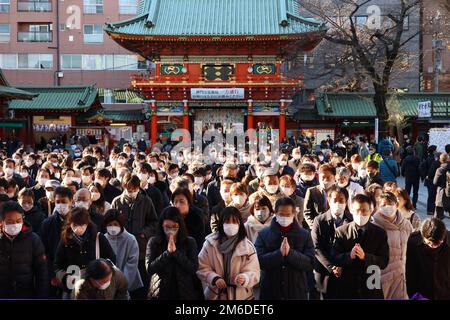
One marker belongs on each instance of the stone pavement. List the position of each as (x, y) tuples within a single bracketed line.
[(422, 203)]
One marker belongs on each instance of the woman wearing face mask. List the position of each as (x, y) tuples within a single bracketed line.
[(171, 260), (270, 187), (374, 191), (33, 215), (288, 188), (228, 264), (99, 204), (27, 180), (260, 218), (43, 176), (306, 177), (405, 207), (125, 247), (149, 178), (398, 229), (78, 247), (239, 200)]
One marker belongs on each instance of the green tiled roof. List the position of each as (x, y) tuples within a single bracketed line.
[(216, 18), (10, 93), (58, 98), (354, 105), (113, 115)]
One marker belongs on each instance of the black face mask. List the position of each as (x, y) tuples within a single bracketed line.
[(372, 174)]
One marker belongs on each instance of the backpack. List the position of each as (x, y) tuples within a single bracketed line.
[(447, 184)]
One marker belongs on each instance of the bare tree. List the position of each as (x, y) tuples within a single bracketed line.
[(374, 48)]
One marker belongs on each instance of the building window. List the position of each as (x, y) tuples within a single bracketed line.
[(4, 6), (127, 6), (5, 34), (93, 62), (35, 61), (93, 6), (71, 61), (8, 61), (93, 33), (62, 27), (34, 6)]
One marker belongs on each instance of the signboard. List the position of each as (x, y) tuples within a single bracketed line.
[(439, 137), (424, 109), (217, 93)]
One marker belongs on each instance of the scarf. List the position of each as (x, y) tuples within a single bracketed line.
[(80, 239), (226, 248)]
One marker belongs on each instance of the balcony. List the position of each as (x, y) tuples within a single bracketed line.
[(34, 6), (35, 37)]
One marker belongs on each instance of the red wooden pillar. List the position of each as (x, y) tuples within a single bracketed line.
[(185, 115), (250, 124), (153, 122), (282, 119)]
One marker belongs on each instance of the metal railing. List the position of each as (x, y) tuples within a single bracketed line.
[(34, 6), (35, 36)]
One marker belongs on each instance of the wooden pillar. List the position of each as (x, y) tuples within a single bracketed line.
[(282, 119), (153, 122), (185, 115), (250, 124)]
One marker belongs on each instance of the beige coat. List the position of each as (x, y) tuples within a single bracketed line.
[(244, 261), (393, 277), (253, 226)]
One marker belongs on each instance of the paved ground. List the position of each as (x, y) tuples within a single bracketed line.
[(422, 203)]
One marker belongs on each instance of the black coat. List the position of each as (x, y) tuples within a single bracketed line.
[(195, 225), (23, 266), (80, 254), (284, 278), (50, 234), (368, 181), (39, 193), (140, 218), (410, 168), (302, 186), (315, 204), (353, 282), (111, 193), (177, 270), (428, 270), (440, 181), (156, 197), (322, 234), (35, 217), (32, 171), (97, 219), (213, 193)]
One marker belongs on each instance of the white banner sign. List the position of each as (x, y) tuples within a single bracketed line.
[(217, 93), (424, 110)]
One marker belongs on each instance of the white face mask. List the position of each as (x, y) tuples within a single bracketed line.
[(95, 196), (361, 220), (239, 199), (86, 179), (154, 165), (50, 195), (307, 178), (287, 191), (282, 163), (82, 204), (9, 171), (284, 221), (355, 166), (326, 185), (10, 195), (171, 231), (143, 177), (151, 179), (29, 163), (62, 208), (225, 196), (343, 185), (362, 173), (13, 229), (262, 215), (388, 211), (199, 180), (27, 207), (79, 230), (296, 156), (113, 230), (230, 229), (24, 174), (337, 208), (105, 286), (321, 158), (272, 189), (100, 164)]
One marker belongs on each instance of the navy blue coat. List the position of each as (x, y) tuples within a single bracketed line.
[(284, 278)]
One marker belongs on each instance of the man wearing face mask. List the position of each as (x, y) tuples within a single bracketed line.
[(32, 166), (9, 170), (229, 171), (360, 245), (295, 162), (148, 179), (286, 255), (83, 199), (343, 175), (103, 176), (23, 264), (48, 202), (50, 231), (326, 273), (199, 174), (306, 177), (141, 219), (398, 230), (316, 197), (428, 261), (373, 174), (284, 168)]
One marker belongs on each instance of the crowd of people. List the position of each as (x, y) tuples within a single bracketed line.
[(325, 221)]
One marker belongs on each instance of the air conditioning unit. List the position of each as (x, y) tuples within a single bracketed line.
[(60, 74), (51, 26)]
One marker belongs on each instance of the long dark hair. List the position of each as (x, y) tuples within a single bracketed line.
[(100, 203), (78, 216), (173, 214), (227, 213)]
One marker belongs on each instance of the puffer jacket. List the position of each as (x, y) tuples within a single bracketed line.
[(23, 266), (393, 277), (410, 168), (175, 272), (243, 261)]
